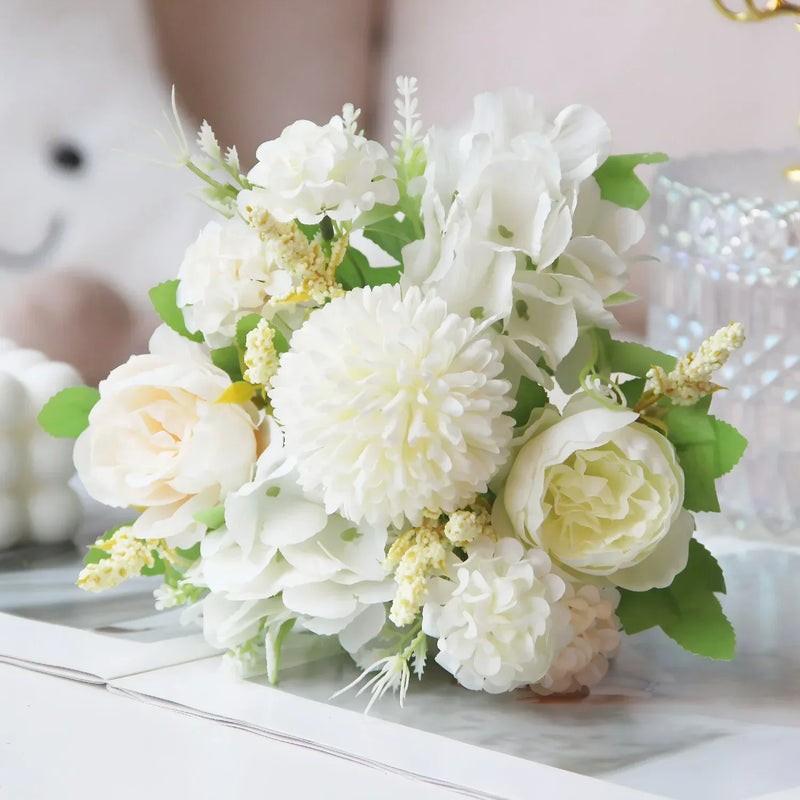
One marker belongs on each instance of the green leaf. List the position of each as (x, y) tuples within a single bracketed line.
[(730, 446), (159, 566), (707, 448), (355, 271), (212, 518), (164, 299), (620, 298), (279, 341), (66, 414), (243, 327), (376, 214), (191, 553), (687, 611), (635, 359), (309, 231), (391, 235), (529, 396), (227, 359), (619, 182), (632, 390)]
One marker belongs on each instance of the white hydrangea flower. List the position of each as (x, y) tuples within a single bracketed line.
[(584, 662), (497, 617), (311, 171), (278, 542), (392, 405), (228, 272), (500, 212)]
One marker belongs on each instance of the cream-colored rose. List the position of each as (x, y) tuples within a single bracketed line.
[(601, 493), (157, 436)]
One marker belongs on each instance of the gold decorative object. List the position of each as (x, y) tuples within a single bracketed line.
[(755, 12)]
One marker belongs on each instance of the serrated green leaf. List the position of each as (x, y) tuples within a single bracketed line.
[(66, 414), (355, 271), (698, 462), (212, 518), (687, 611), (164, 300), (619, 182), (529, 396), (582, 355), (636, 359), (730, 446), (391, 235), (309, 231), (243, 327), (227, 359), (702, 628), (702, 572)]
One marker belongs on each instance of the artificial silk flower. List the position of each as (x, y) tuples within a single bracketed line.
[(311, 171), (600, 492), (407, 414)]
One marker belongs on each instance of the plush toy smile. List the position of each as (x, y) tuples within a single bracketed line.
[(30, 258)]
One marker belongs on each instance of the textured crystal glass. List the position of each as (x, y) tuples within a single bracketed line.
[(727, 253)]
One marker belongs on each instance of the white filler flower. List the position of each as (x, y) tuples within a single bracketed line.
[(311, 170), (229, 271), (497, 619), (392, 405)]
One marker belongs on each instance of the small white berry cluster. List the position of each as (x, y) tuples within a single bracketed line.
[(36, 502)]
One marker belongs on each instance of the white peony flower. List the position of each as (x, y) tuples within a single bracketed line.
[(496, 617), (392, 405), (601, 493), (157, 436), (311, 171), (276, 541), (584, 662), (227, 273)]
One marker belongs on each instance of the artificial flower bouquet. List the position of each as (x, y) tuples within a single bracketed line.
[(385, 406)]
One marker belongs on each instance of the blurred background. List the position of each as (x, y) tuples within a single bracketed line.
[(84, 84)]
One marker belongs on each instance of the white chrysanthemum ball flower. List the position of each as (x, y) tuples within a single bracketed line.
[(311, 171), (497, 617), (391, 405), (584, 662), (228, 272)]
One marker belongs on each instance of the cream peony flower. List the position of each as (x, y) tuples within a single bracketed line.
[(157, 436), (278, 542), (391, 405), (496, 617), (311, 171), (227, 273), (584, 662), (601, 493)]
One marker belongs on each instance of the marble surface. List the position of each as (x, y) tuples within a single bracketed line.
[(665, 721)]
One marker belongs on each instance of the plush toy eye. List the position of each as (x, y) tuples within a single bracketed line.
[(67, 156)]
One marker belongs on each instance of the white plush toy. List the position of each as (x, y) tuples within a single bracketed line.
[(88, 223), (36, 502)]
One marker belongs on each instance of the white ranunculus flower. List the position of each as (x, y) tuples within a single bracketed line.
[(601, 493), (157, 436), (390, 405), (277, 541), (596, 638), (496, 617), (228, 272), (311, 171)]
